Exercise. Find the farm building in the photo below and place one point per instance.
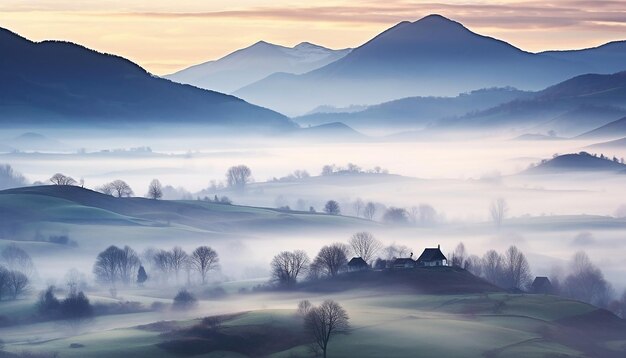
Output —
(432, 257)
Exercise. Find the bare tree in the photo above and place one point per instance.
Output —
(365, 245)
(492, 267)
(106, 269)
(326, 321)
(459, 255)
(369, 211)
(204, 259)
(155, 190)
(498, 210)
(238, 176)
(61, 179)
(9, 178)
(286, 266)
(516, 269)
(121, 188)
(394, 251)
(585, 282)
(332, 258)
(162, 262)
(115, 264)
(17, 283)
(16, 258)
(474, 265)
(358, 206)
(128, 262)
(178, 258)
(332, 208)
(106, 189)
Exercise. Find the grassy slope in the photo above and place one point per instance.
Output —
(55, 209)
(471, 325)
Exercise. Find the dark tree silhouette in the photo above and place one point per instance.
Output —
(121, 188)
(17, 283)
(48, 304)
(286, 266)
(184, 300)
(61, 179)
(516, 269)
(155, 190)
(326, 321)
(332, 208)
(204, 259)
(331, 259)
(76, 309)
(142, 276)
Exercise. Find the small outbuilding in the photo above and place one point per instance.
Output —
(541, 284)
(432, 257)
(357, 264)
(403, 263)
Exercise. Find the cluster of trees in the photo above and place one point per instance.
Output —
(176, 261)
(350, 168)
(123, 266)
(16, 272)
(509, 270)
(75, 307)
(323, 322)
(117, 188)
(288, 266)
(9, 178)
(583, 280)
(62, 179)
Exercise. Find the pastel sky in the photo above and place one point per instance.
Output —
(164, 35)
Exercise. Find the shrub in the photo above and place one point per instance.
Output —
(184, 300)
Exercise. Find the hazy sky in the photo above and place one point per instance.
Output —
(164, 35)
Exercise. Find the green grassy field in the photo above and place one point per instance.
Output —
(382, 325)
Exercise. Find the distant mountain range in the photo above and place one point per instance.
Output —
(570, 108)
(433, 56)
(580, 162)
(254, 63)
(53, 83)
(417, 112)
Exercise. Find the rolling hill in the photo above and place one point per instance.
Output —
(581, 162)
(570, 108)
(613, 129)
(254, 63)
(433, 56)
(76, 205)
(52, 83)
(417, 112)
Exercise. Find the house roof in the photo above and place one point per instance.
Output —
(357, 261)
(541, 281)
(431, 255)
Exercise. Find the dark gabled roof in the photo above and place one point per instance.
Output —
(403, 261)
(541, 281)
(431, 255)
(357, 261)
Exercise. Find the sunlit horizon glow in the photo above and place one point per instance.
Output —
(164, 37)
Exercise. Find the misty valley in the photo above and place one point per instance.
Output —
(431, 192)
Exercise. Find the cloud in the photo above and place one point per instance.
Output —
(537, 15)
